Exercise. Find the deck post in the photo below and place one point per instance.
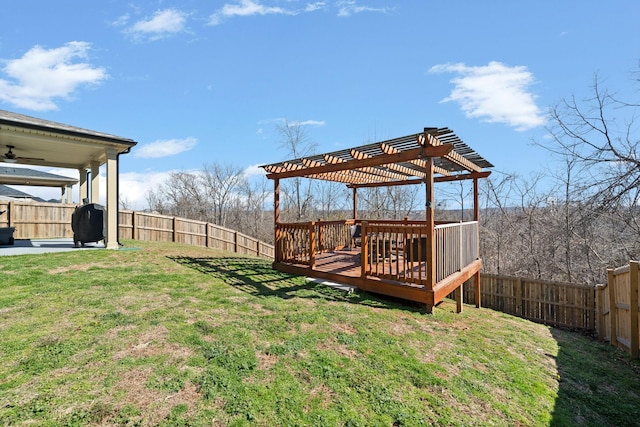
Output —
(459, 299)
(277, 256)
(476, 203)
(477, 289)
(476, 217)
(364, 250)
(355, 203)
(312, 244)
(430, 224)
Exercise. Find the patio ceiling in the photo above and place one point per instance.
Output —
(392, 162)
(45, 143)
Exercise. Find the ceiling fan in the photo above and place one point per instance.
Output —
(11, 157)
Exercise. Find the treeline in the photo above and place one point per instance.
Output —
(569, 224)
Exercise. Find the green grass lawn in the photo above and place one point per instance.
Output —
(177, 335)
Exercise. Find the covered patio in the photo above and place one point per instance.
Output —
(32, 141)
(421, 261)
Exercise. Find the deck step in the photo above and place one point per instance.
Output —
(341, 286)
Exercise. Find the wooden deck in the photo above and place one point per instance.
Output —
(344, 266)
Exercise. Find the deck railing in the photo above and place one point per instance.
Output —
(300, 242)
(332, 235)
(293, 243)
(457, 245)
(391, 249)
(397, 250)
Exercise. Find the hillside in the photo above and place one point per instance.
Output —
(165, 334)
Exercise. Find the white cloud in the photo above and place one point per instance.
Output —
(42, 76)
(495, 93)
(350, 7)
(247, 8)
(312, 7)
(165, 148)
(254, 170)
(163, 23)
(256, 7)
(134, 187)
(309, 123)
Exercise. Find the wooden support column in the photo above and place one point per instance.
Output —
(459, 299)
(476, 203)
(476, 217)
(431, 267)
(364, 251)
(355, 203)
(276, 220)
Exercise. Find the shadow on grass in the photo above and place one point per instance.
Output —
(256, 277)
(599, 385)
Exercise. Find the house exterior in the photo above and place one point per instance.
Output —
(33, 141)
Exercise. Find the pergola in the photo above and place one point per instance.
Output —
(421, 269)
(40, 142)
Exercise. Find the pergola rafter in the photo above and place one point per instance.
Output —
(398, 159)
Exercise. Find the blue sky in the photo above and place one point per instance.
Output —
(197, 82)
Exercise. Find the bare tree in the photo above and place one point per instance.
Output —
(298, 194)
(222, 185)
(181, 195)
(601, 134)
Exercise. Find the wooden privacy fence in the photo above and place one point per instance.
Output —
(37, 220)
(34, 220)
(618, 309)
(162, 228)
(552, 303)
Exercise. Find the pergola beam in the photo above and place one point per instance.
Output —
(459, 177)
(403, 156)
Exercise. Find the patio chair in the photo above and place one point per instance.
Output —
(356, 235)
(415, 249)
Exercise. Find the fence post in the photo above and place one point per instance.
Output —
(613, 310)
(600, 311)
(257, 247)
(633, 307)
(173, 226)
(10, 213)
(592, 303)
(134, 227)
(206, 235)
(519, 306)
(235, 242)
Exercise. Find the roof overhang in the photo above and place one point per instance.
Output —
(396, 161)
(46, 143)
(23, 176)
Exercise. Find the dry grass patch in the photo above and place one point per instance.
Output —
(154, 405)
(153, 342)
